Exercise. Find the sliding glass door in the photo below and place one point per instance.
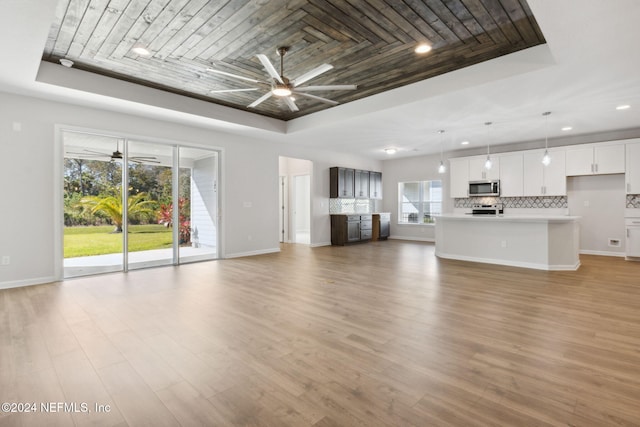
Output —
(93, 228)
(150, 194)
(161, 209)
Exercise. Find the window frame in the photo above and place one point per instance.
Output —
(425, 186)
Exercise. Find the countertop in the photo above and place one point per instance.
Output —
(510, 218)
(361, 213)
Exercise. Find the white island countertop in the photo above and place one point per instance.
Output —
(512, 217)
(544, 242)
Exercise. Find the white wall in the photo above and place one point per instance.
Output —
(249, 181)
(599, 201)
(423, 168)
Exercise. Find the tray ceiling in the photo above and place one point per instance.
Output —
(370, 43)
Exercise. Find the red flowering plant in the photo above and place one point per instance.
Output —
(165, 217)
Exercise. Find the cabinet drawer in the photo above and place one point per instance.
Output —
(366, 225)
(353, 218)
(365, 234)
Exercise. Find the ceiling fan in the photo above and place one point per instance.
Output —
(283, 87)
(116, 155)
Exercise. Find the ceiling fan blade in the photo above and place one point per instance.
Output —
(140, 161)
(260, 100)
(233, 90)
(327, 87)
(311, 74)
(317, 98)
(292, 105)
(235, 76)
(102, 153)
(269, 67)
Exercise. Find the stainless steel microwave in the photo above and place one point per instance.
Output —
(484, 188)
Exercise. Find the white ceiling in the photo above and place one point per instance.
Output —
(590, 65)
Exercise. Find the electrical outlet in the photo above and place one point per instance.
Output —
(615, 243)
(503, 244)
(6, 260)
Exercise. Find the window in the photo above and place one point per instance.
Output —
(419, 202)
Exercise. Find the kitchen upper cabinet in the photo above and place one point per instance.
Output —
(375, 185)
(361, 184)
(342, 183)
(632, 174)
(477, 171)
(596, 159)
(459, 177)
(511, 175)
(541, 180)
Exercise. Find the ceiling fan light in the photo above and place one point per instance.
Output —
(422, 48)
(390, 151)
(281, 90)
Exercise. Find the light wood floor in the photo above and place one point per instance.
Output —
(380, 334)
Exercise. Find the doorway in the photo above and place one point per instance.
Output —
(131, 204)
(295, 200)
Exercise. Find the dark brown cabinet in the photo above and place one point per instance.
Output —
(342, 183)
(375, 185)
(381, 226)
(354, 184)
(351, 229)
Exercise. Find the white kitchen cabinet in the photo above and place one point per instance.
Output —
(541, 180)
(511, 175)
(459, 177)
(477, 171)
(633, 237)
(595, 159)
(632, 174)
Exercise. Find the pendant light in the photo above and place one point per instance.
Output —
(488, 164)
(442, 168)
(546, 159)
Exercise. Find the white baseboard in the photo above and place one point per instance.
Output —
(414, 239)
(252, 253)
(556, 267)
(27, 282)
(601, 253)
(317, 245)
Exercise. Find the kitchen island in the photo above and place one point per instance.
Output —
(543, 242)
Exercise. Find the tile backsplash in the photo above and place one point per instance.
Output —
(340, 206)
(633, 201)
(542, 202)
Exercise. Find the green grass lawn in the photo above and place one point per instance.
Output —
(99, 240)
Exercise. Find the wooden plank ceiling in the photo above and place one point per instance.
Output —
(370, 43)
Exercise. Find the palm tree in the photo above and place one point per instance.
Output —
(111, 206)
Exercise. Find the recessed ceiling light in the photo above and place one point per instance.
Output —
(623, 107)
(66, 62)
(390, 150)
(566, 128)
(422, 48)
(464, 143)
(141, 50)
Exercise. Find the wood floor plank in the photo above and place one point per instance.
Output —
(378, 334)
